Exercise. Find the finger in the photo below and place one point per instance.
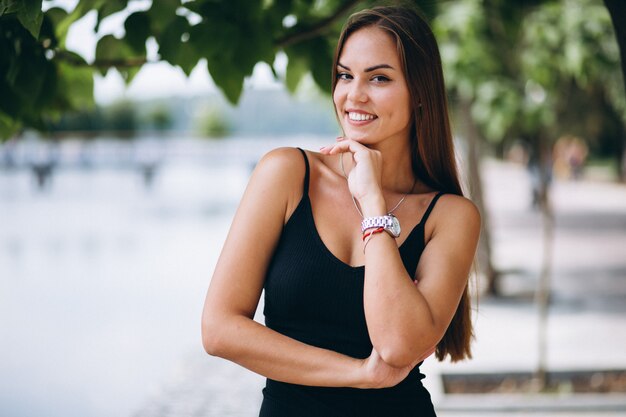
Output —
(347, 145)
(327, 149)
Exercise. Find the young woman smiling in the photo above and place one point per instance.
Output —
(363, 249)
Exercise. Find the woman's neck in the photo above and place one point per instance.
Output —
(397, 175)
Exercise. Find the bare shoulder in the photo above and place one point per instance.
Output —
(281, 171)
(455, 212)
(283, 159)
(281, 167)
(457, 205)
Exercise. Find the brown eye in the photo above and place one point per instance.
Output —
(380, 79)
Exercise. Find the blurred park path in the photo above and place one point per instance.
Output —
(586, 327)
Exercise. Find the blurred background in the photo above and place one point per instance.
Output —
(129, 129)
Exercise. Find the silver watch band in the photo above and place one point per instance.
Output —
(389, 222)
(385, 222)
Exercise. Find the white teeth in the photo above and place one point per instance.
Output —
(360, 116)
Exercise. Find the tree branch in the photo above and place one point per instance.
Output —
(317, 29)
(287, 40)
(617, 11)
(76, 61)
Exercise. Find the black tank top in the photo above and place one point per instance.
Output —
(314, 297)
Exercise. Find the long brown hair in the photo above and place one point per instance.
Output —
(432, 149)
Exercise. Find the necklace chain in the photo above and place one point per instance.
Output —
(356, 205)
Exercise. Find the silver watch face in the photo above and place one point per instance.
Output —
(395, 226)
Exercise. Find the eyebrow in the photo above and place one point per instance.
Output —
(368, 69)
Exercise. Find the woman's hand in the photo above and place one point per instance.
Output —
(365, 178)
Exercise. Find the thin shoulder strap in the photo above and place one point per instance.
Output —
(431, 206)
(306, 173)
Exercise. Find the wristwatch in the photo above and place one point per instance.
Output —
(389, 222)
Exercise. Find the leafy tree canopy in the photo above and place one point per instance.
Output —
(516, 63)
(495, 52)
(40, 78)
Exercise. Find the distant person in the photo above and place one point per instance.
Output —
(570, 154)
(43, 162)
(577, 157)
(353, 303)
(540, 172)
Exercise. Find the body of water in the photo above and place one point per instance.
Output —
(102, 278)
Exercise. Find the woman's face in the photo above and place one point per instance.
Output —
(371, 97)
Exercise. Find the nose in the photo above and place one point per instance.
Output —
(357, 92)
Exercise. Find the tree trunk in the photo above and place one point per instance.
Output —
(473, 139)
(543, 293)
(617, 10)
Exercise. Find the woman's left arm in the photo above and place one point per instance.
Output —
(405, 320)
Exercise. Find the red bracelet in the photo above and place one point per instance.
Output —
(372, 231)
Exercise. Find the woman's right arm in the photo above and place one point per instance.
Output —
(228, 328)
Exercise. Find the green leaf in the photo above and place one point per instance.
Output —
(175, 46)
(254, 44)
(8, 126)
(228, 79)
(47, 35)
(171, 38)
(162, 13)
(9, 6)
(279, 8)
(31, 16)
(107, 48)
(187, 58)
(128, 74)
(137, 27)
(81, 9)
(321, 63)
(56, 15)
(113, 51)
(13, 69)
(108, 8)
(296, 68)
(76, 84)
(48, 91)
(216, 39)
(10, 103)
(31, 72)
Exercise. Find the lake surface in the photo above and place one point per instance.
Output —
(102, 278)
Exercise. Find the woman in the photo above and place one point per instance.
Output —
(352, 304)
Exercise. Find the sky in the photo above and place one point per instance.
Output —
(157, 79)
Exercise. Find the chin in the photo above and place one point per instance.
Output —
(360, 137)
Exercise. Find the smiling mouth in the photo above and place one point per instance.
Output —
(360, 117)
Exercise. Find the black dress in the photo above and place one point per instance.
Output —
(313, 297)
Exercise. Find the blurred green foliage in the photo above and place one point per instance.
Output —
(210, 122)
(120, 118)
(519, 65)
(33, 84)
(40, 78)
(160, 118)
(533, 70)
